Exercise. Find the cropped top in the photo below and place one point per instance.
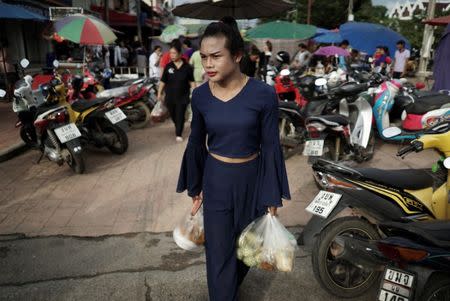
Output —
(242, 126)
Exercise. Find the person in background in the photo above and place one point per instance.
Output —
(141, 59)
(400, 60)
(379, 60)
(249, 62)
(302, 58)
(119, 60)
(264, 59)
(187, 49)
(153, 62)
(176, 81)
(355, 57)
(196, 63)
(342, 61)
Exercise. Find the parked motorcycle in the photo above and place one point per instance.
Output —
(347, 133)
(355, 200)
(48, 128)
(99, 122)
(419, 111)
(414, 258)
(136, 100)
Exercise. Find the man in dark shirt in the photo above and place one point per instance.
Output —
(249, 62)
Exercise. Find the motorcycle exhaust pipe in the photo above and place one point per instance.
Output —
(360, 252)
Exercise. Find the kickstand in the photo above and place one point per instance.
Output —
(40, 158)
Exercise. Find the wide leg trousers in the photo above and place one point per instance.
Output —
(229, 207)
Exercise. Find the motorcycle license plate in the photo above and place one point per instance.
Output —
(397, 285)
(115, 115)
(313, 148)
(324, 203)
(67, 132)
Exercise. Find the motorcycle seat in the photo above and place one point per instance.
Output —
(425, 104)
(413, 179)
(402, 101)
(82, 105)
(288, 105)
(349, 89)
(330, 120)
(434, 231)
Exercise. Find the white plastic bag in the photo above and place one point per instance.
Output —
(159, 112)
(189, 234)
(267, 244)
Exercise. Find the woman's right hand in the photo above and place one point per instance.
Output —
(197, 203)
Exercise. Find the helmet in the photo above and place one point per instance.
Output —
(307, 85)
(283, 57)
(77, 82)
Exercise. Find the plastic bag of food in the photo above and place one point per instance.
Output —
(159, 112)
(189, 234)
(267, 244)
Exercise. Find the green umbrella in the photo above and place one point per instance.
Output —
(282, 30)
(172, 32)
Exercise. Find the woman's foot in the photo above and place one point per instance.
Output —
(179, 139)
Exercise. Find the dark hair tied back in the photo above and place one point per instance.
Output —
(176, 44)
(226, 27)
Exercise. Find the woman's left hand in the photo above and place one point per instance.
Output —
(273, 210)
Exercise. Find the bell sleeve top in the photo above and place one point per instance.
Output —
(242, 126)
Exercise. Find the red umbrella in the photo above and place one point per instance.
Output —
(441, 21)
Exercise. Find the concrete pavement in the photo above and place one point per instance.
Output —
(134, 192)
(102, 235)
(140, 266)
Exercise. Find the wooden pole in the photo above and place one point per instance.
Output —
(310, 3)
(138, 18)
(106, 11)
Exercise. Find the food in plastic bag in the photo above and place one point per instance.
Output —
(189, 234)
(159, 112)
(267, 244)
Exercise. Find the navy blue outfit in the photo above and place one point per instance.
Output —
(234, 194)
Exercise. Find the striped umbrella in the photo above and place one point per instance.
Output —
(84, 30)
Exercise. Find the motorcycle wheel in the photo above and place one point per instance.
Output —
(288, 144)
(437, 289)
(365, 154)
(26, 137)
(144, 115)
(76, 162)
(120, 145)
(339, 277)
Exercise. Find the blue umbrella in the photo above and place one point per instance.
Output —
(330, 37)
(8, 11)
(367, 36)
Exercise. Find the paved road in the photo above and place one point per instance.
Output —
(141, 266)
(133, 192)
(103, 235)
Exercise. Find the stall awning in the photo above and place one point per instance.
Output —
(441, 21)
(16, 12)
(123, 19)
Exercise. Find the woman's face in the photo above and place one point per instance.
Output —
(217, 60)
(174, 55)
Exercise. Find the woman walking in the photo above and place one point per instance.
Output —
(242, 173)
(176, 81)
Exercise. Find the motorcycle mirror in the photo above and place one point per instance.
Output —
(285, 72)
(2, 93)
(447, 163)
(56, 63)
(24, 63)
(391, 132)
(320, 82)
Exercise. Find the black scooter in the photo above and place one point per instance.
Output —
(414, 258)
